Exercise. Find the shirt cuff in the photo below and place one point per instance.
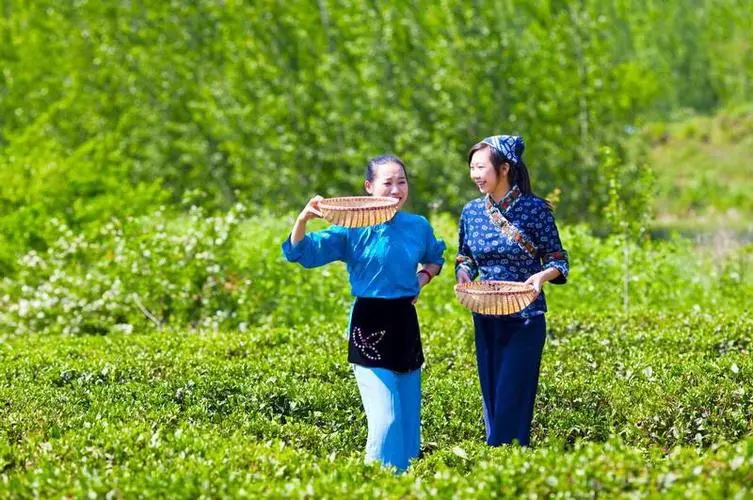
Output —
(293, 253)
(557, 260)
(466, 264)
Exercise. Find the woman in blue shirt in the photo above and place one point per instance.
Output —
(384, 343)
(508, 234)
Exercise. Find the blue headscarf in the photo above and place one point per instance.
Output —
(509, 146)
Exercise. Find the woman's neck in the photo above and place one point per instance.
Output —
(503, 187)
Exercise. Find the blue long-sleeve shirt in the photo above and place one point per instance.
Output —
(382, 260)
(528, 242)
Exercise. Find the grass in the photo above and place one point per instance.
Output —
(704, 167)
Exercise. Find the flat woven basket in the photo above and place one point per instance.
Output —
(496, 298)
(358, 211)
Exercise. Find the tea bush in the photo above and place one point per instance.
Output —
(215, 368)
(641, 405)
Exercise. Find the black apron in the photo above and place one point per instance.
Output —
(384, 333)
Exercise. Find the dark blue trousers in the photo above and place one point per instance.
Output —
(508, 352)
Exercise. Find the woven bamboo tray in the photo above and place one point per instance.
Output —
(497, 298)
(358, 211)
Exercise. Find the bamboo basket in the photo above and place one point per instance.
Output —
(358, 211)
(497, 298)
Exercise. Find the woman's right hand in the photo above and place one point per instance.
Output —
(311, 210)
(463, 277)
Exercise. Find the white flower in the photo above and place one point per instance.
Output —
(23, 308)
(123, 327)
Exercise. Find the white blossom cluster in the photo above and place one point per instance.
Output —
(147, 271)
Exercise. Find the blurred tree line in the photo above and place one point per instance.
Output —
(118, 107)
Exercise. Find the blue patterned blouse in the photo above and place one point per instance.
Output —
(382, 260)
(510, 241)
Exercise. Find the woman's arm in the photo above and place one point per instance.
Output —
(537, 280)
(432, 259)
(432, 269)
(554, 261)
(310, 211)
(318, 248)
(466, 268)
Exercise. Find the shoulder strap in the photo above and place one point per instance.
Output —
(508, 228)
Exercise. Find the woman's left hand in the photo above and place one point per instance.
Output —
(536, 281)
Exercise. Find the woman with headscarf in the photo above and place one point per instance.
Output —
(508, 234)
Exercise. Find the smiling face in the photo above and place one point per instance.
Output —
(485, 176)
(389, 180)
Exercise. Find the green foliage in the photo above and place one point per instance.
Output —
(216, 368)
(133, 272)
(169, 269)
(644, 405)
(154, 342)
(118, 105)
(703, 171)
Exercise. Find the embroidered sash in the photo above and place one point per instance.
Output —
(508, 228)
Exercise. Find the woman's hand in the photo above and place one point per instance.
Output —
(462, 276)
(537, 280)
(311, 210)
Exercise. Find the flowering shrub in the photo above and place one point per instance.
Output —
(137, 272)
(226, 271)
